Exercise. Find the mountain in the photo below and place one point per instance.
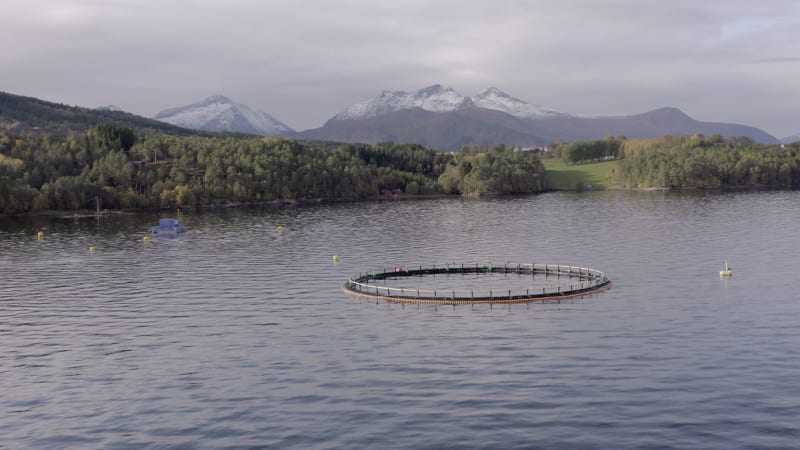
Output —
(653, 123)
(442, 99)
(439, 117)
(220, 114)
(791, 139)
(445, 131)
(498, 100)
(28, 114)
(436, 98)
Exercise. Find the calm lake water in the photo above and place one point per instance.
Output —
(238, 336)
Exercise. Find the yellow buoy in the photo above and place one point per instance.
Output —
(280, 228)
(147, 238)
(727, 271)
(40, 235)
(92, 248)
(335, 258)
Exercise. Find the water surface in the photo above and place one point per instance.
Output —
(238, 336)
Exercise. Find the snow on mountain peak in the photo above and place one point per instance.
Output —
(439, 98)
(435, 98)
(494, 98)
(219, 113)
(492, 91)
(434, 89)
(217, 98)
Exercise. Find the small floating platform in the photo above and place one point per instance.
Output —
(727, 271)
(168, 227)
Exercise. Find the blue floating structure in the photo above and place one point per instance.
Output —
(168, 227)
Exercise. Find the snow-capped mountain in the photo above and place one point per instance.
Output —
(498, 100)
(436, 98)
(219, 113)
(451, 130)
(440, 99)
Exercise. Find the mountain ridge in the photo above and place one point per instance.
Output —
(441, 99)
(434, 98)
(30, 114)
(493, 117)
(452, 129)
(218, 113)
(460, 123)
(656, 122)
(494, 98)
(791, 139)
(444, 131)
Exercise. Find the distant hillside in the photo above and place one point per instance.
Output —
(453, 129)
(19, 113)
(439, 117)
(658, 122)
(791, 139)
(444, 131)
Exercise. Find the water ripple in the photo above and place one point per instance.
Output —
(237, 335)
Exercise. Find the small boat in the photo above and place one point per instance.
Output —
(168, 227)
(727, 271)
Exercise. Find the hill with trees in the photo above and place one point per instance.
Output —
(20, 114)
(476, 170)
(705, 162)
(126, 169)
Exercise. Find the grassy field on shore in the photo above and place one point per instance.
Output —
(577, 176)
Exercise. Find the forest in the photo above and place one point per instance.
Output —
(126, 170)
(40, 116)
(476, 170)
(705, 162)
(591, 151)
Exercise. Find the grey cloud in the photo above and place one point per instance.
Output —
(305, 60)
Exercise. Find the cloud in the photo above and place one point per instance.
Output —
(305, 60)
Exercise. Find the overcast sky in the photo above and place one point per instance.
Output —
(305, 60)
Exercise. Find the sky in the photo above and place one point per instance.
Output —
(303, 61)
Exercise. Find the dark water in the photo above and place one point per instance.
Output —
(238, 336)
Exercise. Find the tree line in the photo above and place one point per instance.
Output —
(127, 170)
(700, 162)
(46, 117)
(477, 170)
(590, 151)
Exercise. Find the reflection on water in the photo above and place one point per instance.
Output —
(238, 335)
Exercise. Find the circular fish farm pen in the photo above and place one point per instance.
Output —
(457, 284)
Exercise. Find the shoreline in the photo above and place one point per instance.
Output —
(87, 213)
